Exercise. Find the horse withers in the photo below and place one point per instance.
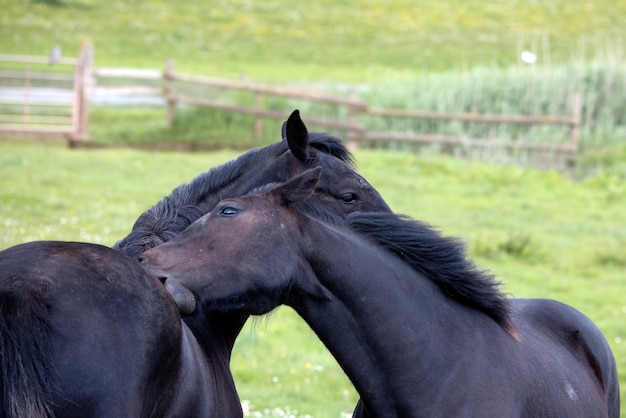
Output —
(418, 329)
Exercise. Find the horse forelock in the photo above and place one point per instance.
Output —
(440, 258)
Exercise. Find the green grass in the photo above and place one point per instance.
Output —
(543, 234)
(326, 40)
(198, 128)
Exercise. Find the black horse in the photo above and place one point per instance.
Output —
(416, 326)
(85, 332)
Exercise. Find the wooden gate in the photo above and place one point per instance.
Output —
(46, 97)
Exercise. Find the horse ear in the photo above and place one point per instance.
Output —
(297, 136)
(300, 188)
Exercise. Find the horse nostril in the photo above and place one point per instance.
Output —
(162, 279)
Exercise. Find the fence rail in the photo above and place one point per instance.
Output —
(169, 85)
(173, 97)
(572, 122)
(357, 110)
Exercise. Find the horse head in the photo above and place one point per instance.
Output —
(197, 262)
(341, 188)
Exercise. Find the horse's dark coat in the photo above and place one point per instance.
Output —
(415, 339)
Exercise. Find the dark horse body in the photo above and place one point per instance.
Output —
(417, 328)
(96, 318)
(85, 332)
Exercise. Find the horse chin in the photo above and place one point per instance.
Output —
(185, 300)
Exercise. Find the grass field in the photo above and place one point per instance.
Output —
(543, 234)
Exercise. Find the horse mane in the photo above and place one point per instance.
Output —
(331, 145)
(175, 212)
(440, 258)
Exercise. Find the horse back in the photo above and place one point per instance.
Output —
(85, 332)
(569, 334)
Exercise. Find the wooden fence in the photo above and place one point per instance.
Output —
(46, 97)
(358, 110)
(168, 85)
(174, 97)
(570, 146)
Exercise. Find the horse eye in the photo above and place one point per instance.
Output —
(348, 198)
(228, 211)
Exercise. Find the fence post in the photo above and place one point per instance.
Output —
(82, 85)
(169, 91)
(574, 130)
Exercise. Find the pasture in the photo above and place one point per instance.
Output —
(543, 234)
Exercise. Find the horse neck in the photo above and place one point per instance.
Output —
(205, 377)
(216, 332)
(365, 322)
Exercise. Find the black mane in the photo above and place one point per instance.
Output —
(442, 259)
(331, 145)
(175, 212)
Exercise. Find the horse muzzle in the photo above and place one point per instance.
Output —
(185, 300)
(183, 297)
